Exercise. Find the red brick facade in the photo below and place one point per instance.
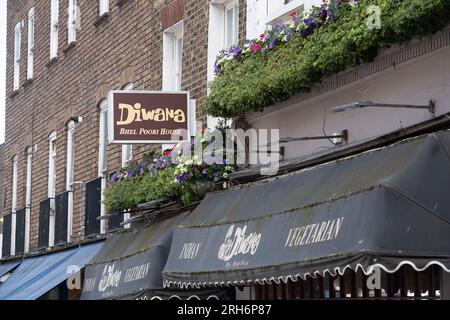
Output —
(124, 47)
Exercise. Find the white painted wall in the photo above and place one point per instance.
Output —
(414, 82)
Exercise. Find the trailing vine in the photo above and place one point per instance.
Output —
(292, 58)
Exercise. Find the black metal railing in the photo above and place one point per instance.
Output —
(6, 245)
(93, 207)
(44, 223)
(20, 231)
(61, 217)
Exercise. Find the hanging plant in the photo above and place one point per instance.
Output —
(292, 58)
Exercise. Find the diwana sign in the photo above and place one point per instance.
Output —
(148, 117)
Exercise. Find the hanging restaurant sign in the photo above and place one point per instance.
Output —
(148, 117)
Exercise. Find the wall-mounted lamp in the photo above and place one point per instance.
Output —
(431, 107)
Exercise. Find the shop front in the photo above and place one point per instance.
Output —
(374, 225)
(129, 265)
(45, 276)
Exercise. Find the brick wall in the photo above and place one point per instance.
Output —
(125, 47)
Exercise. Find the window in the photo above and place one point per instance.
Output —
(52, 186)
(173, 57)
(103, 139)
(223, 34)
(231, 24)
(28, 198)
(281, 12)
(103, 7)
(31, 24)
(127, 149)
(178, 60)
(73, 22)
(103, 158)
(172, 60)
(17, 53)
(70, 177)
(261, 13)
(54, 28)
(15, 163)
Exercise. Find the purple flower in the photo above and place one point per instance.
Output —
(273, 42)
(217, 69)
(324, 14)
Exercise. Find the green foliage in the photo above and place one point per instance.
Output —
(129, 193)
(266, 78)
(159, 177)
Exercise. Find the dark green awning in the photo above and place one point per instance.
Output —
(387, 207)
(130, 262)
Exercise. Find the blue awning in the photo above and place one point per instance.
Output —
(36, 276)
(8, 266)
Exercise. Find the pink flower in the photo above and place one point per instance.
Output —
(255, 48)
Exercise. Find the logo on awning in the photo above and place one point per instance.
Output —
(237, 242)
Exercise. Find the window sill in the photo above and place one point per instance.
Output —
(121, 2)
(14, 93)
(27, 83)
(51, 62)
(69, 47)
(102, 19)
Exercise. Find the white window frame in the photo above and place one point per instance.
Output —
(282, 12)
(31, 43)
(103, 7)
(103, 139)
(73, 21)
(127, 149)
(15, 174)
(127, 155)
(173, 67)
(17, 54)
(28, 198)
(54, 29)
(263, 13)
(234, 6)
(52, 156)
(217, 39)
(103, 158)
(70, 175)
